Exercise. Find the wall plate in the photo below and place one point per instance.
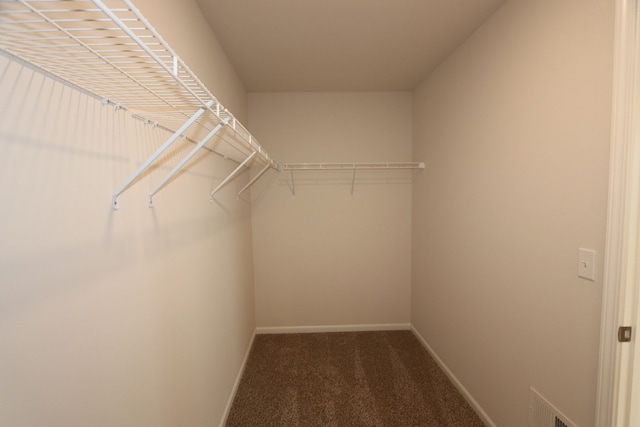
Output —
(586, 264)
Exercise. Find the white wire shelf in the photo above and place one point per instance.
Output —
(354, 167)
(351, 166)
(107, 48)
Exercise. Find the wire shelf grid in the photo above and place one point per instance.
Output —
(108, 49)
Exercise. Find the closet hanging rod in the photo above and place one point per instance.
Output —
(191, 140)
(253, 180)
(232, 174)
(351, 166)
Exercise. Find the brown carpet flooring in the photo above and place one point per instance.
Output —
(346, 379)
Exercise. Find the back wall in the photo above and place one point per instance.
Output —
(326, 256)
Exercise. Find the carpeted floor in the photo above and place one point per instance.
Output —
(346, 379)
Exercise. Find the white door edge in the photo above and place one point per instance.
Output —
(619, 285)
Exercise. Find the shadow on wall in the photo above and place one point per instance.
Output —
(62, 154)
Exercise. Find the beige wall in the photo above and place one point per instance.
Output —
(142, 316)
(139, 317)
(327, 257)
(514, 127)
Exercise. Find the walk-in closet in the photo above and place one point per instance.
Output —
(355, 212)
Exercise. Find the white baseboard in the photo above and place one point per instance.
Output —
(333, 328)
(465, 393)
(227, 409)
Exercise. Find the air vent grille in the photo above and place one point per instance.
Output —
(544, 414)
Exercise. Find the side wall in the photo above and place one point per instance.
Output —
(514, 127)
(138, 317)
(327, 257)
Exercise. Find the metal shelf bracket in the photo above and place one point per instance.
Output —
(185, 160)
(232, 174)
(254, 179)
(157, 154)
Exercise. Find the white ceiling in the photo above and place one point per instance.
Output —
(340, 45)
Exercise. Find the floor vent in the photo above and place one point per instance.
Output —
(544, 414)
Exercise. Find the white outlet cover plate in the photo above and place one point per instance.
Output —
(586, 264)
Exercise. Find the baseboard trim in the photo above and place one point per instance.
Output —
(227, 409)
(333, 328)
(465, 393)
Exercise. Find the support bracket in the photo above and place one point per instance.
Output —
(254, 179)
(293, 184)
(158, 152)
(185, 160)
(232, 174)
